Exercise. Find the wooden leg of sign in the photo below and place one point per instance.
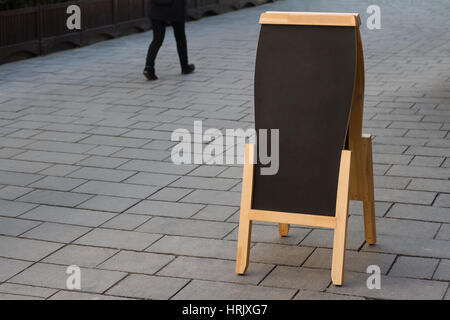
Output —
(245, 224)
(340, 230)
(368, 194)
(283, 228)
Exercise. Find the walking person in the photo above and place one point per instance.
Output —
(163, 12)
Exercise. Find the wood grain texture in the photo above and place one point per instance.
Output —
(283, 229)
(245, 224)
(311, 18)
(340, 231)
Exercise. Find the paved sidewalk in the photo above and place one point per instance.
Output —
(86, 177)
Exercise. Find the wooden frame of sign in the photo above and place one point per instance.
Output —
(355, 175)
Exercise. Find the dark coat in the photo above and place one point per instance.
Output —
(176, 11)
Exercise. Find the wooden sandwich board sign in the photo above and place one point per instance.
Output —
(309, 84)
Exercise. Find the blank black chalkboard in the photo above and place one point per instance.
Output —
(304, 80)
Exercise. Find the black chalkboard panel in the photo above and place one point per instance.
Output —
(304, 81)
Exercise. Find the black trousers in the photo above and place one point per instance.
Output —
(159, 31)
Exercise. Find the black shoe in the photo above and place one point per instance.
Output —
(149, 73)
(188, 69)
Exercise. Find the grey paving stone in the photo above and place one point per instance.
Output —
(60, 147)
(118, 239)
(207, 171)
(101, 174)
(215, 270)
(108, 203)
(197, 247)
(164, 208)
(354, 261)
(74, 295)
(114, 141)
(15, 227)
(79, 217)
(428, 248)
(233, 172)
(137, 262)
(18, 289)
(207, 290)
(356, 208)
(423, 213)
(279, 254)
(298, 278)
(446, 164)
(57, 183)
(9, 152)
(12, 193)
(143, 154)
(102, 152)
(6, 296)
(152, 179)
(9, 268)
(391, 158)
(391, 288)
(60, 136)
(394, 149)
(54, 276)
(125, 221)
(14, 208)
(56, 232)
(430, 185)
(82, 256)
(324, 238)
(116, 189)
(102, 162)
(404, 196)
(414, 267)
(57, 198)
(314, 295)
(59, 170)
(170, 194)
(428, 151)
(444, 232)
(427, 161)
(214, 197)
(391, 182)
(209, 183)
(148, 287)
(25, 249)
(442, 200)
(51, 157)
(397, 227)
(18, 179)
(270, 234)
(214, 212)
(443, 271)
(13, 142)
(419, 172)
(22, 166)
(159, 145)
(157, 167)
(186, 227)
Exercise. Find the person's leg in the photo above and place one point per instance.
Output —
(159, 31)
(180, 36)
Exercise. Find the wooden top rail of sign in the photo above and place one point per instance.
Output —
(311, 18)
(309, 84)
